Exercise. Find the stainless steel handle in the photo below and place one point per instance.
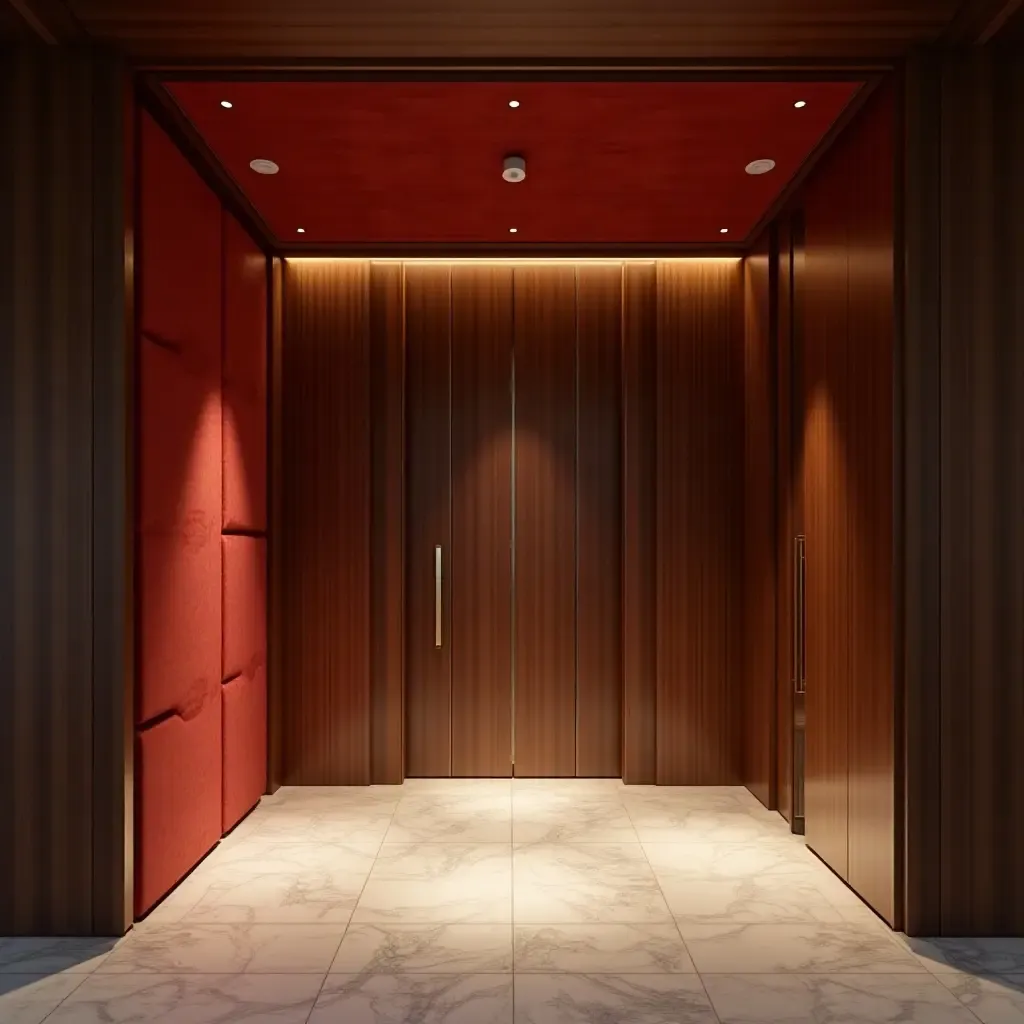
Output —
(437, 596)
(800, 614)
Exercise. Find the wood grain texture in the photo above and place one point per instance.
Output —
(481, 496)
(759, 528)
(848, 500)
(639, 309)
(446, 29)
(545, 521)
(65, 511)
(325, 533)
(428, 517)
(699, 520)
(387, 386)
(788, 521)
(275, 549)
(599, 521)
(964, 487)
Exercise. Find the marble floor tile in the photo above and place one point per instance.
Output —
(481, 900)
(557, 819)
(54, 955)
(993, 999)
(414, 999)
(601, 949)
(611, 998)
(763, 900)
(795, 949)
(326, 822)
(279, 882)
(975, 956)
(444, 818)
(227, 949)
(833, 999)
(190, 999)
(667, 823)
(594, 882)
(441, 862)
(699, 861)
(29, 998)
(425, 949)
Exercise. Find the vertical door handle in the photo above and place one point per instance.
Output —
(437, 596)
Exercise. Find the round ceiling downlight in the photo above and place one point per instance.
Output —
(513, 231)
(760, 166)
(226, 104)
(264, 166)
(723, 231)
(800, 104)
(301, 231)
(513, 103)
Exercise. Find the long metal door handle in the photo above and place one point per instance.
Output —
(438, 638)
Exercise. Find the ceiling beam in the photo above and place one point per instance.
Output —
(49, 20)
(980, 21)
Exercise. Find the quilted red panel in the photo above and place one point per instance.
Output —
(245, 381)
(178, 798)
(245, 745)
(245, 605)
(179, 449)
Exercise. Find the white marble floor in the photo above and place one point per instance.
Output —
(496, 902)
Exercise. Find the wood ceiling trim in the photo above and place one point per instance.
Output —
(49, 20)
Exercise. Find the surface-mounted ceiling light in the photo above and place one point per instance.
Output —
(264, 166)
(800, 104)
(760, 166)
(513, 103)
(226, 104)
(301, 231)
(723, 231)
(513, 231)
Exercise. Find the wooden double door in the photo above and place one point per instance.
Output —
(513, 520)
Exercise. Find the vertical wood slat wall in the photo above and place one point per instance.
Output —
(65, 431)
(671, 335)
(963, 561)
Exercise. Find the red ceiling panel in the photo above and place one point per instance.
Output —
(612, 162)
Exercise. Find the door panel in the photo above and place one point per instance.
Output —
(545, 521)
(481, 562)
(428, 444)
(599, 526)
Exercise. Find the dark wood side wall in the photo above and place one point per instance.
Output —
(65, 562)
(963, 492)
(658, 685)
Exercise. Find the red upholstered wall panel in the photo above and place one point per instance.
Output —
(178, 798)
(179, 453)
(245, 380)
(245, 605)
(245, 745)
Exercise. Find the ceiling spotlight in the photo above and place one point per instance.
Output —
(514, 168)
(513, 103)
(264, 166)
(723, 231)
(800, 104)
(513, 231)
(226, 104)
(760, 166)
(301, 231)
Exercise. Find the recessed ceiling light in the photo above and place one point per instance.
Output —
(800, 104)
(264, 166)
(301, 231)
(513, 103)
(760, 166)
(226, 104)
(723, 231)
(513, 231)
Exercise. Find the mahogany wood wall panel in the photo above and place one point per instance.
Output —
(387, 353)
(65, 494)
(599, 521)
(639, 309)
(428, 691)
(275, 501)
(324, 533)
(759, 531)
(481, 553)
(963, 373)
(846, 486)
(788, 522)
(545, 520)
(699, 479)
(503, 29)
